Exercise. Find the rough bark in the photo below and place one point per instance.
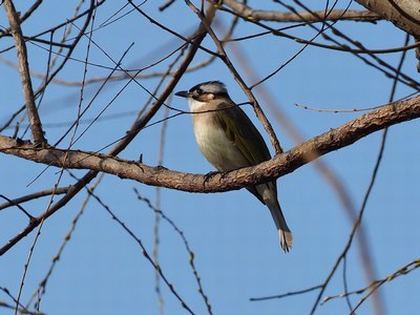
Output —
(405, 14)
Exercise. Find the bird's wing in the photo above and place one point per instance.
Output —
(244, 135)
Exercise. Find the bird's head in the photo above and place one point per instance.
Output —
(205, 92)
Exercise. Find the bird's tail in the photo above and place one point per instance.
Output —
(285, 235)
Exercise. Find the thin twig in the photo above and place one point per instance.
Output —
(374, 285)
(11, 203)
(284, 295)
(15, 301)
(156, 225)
(144, 251)
(21, 310)
(36, 195)
(166, 5)
(42, 286)
(395, 74)
(345, 283)
(187, 246)
(26, 267)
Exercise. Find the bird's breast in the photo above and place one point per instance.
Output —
(215, 145)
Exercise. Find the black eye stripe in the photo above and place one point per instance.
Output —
(197, 91)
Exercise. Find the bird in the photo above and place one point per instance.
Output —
(229, 140)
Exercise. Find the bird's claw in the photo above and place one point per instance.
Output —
(209, 175)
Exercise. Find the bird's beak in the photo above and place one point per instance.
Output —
(182, 94)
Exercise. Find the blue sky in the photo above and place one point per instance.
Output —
(102, 270)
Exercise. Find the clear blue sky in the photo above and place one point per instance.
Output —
(102, 270)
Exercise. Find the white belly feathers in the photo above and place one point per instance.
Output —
(215, 146)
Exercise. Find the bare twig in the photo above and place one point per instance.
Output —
(375, 285)
(343, 48)
(7, 292)
(319, 32)
(23, 17)
(31, 10)
(40, 291)
(389, 71)
(402, 271)
(284, 295)
(20, 309)
(36, 195)
(23, 210)
(169, 30)
(345, 283)
(335, 110)
(145, 253)
(395, 74)
(166, 5)
(156, 225)
(191, 253)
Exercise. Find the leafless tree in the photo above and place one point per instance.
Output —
(71, 54)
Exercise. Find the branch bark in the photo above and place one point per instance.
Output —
(405, 14)
(280, 165)
(36, 195)
(277, 16)
(22, 57)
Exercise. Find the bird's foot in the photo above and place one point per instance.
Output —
(209, 175)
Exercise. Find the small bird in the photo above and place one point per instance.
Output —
(229, 140)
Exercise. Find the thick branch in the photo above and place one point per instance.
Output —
(280, 165)
(277, 16)
(405, 14)
(22, 57)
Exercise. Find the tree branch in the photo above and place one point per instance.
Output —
(375, 285)
(405, 14)
(22, 56)
(266, 15)
(280, 165)
(36, 195)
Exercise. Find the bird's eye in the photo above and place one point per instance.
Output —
(196, 93)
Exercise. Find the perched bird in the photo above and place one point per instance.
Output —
(229, 140)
